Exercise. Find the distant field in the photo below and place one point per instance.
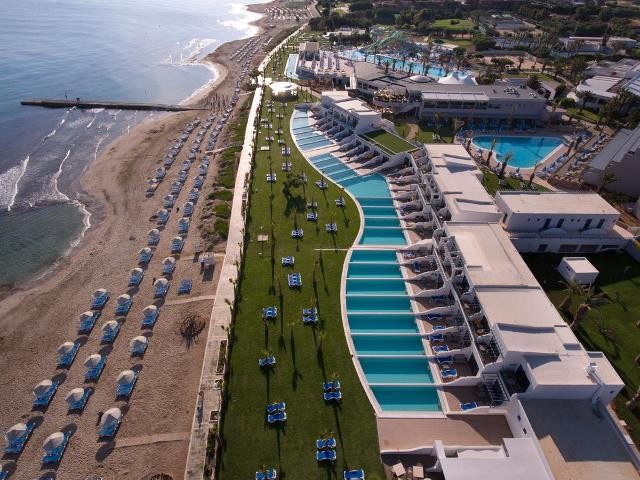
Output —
(445, 24)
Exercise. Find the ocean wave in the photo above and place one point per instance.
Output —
(194, 49)
(243, 23)
(9, 181)
(56, 175)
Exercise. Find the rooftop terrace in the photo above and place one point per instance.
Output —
(389, 142)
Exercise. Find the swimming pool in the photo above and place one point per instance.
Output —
(407, 398)
(387, 256)
(527, 151)
(388, 345)
(361, 322)
(414, 67)
(290, 68)
(388, 286)
(396, 370)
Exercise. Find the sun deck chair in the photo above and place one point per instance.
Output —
(109, 429)
(268, 474)
(323, 443)
(66, 359)
(109, 335)
(333, 395)
(269, 312)
(416, 267)
(185, 286)
(439, 327)
(449, 373)
(99, 301)
(309, 315)
(353, 474)
(87, 322)
(267, 361)
(331, 227)
(340, 202)
(297, 233)
(326, 455)
(321, 184)
(55, 455)
(17, 445)
(276, 407)
(468, 406)
(288, 261)
(187, 210)
(123, 308)
(161, 289)
(45, 398)
(193, 195)
(183, 225)
(312, 216)
(125, 389)
(441, 348)
(436, 337)
(149, 319)
(331, 386)
(94, 373)
(135, 277)
(176, 245)
(294, 280)
(445, 360)
(277, 417)
(168, 268)
(81, 403)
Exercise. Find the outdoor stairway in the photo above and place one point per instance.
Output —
(495, 389)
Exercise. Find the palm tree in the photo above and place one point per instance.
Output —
(633, 401)
(505, 161)
(386, 66)
(490, 154)
(571, 289)
(425, 60)
(533, 174)
(607, 178)
(322, 335)
(590, 301)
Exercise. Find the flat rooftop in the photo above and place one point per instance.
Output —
(580, 265)
(489, 256)
(578, 445)
(556, 203)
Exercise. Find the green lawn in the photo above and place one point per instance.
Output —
(305, 356)
(615, 333)
(461, 42)
(490, 182)
(584, 115)
(445, 24)
(425, 133)
(390, 142)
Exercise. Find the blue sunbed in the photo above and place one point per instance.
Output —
(123, 308)
(150, 320)
(297, 233)
(445, 360)
(294, 280)
(436, 337)
(270, 312)
(326, 455)
(468, 406)
(100, 301)
(88, 323)
(340, 202)
(95, 372)
(276, 407)
(323, 443)
(168, 268)
(185, 286)
(277, 417)
(269, 474)
(65, 360)
(145, 257)
(18, 444)
(449, 373)
(288, 261)
(80, 404)
(125, 389)
(332, 395)
(109, 429)
(353, 474)
(331, 227)
(135, 279)
(109, 336)
(54, 456)
(441, 348)
(312, 216)
(44, 399)
(267, 361)
(161, 290)
(183, 227)
(329, 386)
(176, 247)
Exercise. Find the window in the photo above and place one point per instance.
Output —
(560, 222)
(600, 223)
(546, 223)
(588, 248)
(542, 247)
(567, 247)
(587, 224)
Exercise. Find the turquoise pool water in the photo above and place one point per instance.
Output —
(407, 399)
(415, 67)
(373, 270)
(388, 344)
(290, 68)
(391, 286)
(382, 323)
(378, 304)
(527, 151)
(373, 256)
(382, 236)
(396, 370)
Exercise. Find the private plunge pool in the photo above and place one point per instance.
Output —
(527, 151)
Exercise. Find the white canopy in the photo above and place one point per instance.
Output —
(457, 78)
(124, 298)
(15, 432)
(85, 316)
(139, 341)
(92, 360)
(125, 377)
(136, 271)
(110, 325)
(149, 310)
(99, 293)
(154, 232)
(74, 395)
(42, 387)
(168, 260)
(163, 212)
(66, 347)
(53, 441)
(161, 282)
(111, 416)
(176, 240)
(144, 250)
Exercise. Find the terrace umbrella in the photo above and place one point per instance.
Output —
(99, 292)
(66, 347)
(125, 377)
(15, 432)
(123, 299)
(168, 260)
(74, 395)
(111, 416)
(161, 282)
(137, 342)
(110, 326)
(42, 387)
(92, 360)
(149, 310)
(53, 441)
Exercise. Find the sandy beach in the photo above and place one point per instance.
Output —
(154, 434)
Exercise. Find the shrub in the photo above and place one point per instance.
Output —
(222, 210)
(222, 227)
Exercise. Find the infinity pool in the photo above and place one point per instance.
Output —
(407, 398)
(527, 151)
(396, 370)
(361, 322)
(388, 345)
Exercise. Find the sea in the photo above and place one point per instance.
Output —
(128, 50)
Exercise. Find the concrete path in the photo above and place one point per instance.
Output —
(156, 438)
(182, 301)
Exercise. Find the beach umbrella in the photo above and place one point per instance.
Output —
(177, 239)
(154, 232)
(15, 432)
(149, 310)
(136, 271)
(92, 360)
(110, 325)
(124, 298)
(111, 416)
(53, 441)
(74, 395)
(161, 282)
(139, 341)
(144, 250)
(99, 292)
(66, 347)
(42, 387)
(125, 377)
(85, 316)
(168, 260)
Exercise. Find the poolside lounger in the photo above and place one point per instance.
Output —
(334, 395)
(88, 320)
(183, 225)
(99, 298)
(153, 237)
(67, 354)
(340, 202)
(269, 474)
(321, 184)
(294, 280)
(94, 370)
(277, 417)
(270, 312)
(271, 177)
(288, 261)
(312, 216)
(44, 392)
(267, 361)
(312, 204)
(439, 327)
(331, 227)
(323, 443)
(110, 331)
(185, 286)
(468, 406)
(446, 360)
(125, 382)
(168, 265)
(441, 348)
(353, 474)
(176, 245)
(436, 337)
(326, 455)
(310, 315)
(449, 373)
(276, 407)
(55, 446)
(330, 386)
(16, 440)
(193, 195)
(138, 345)
(297, 233)
(416, 267)
(187, 209)
(286, 166)
(144, 255)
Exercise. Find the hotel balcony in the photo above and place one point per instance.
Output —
(488, 349)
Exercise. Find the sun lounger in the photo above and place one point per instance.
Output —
(138, 345)
(331, 227)
(321, 184)
(276, 407)
(270, 312)
(297, 233)
(183, 225)
(88, 320)
(312, 216)
(168, 266)
(160, 289)
(123, 306)
(109, 335)
(93, 373)
(340, 202)
(330, 386)
(55, 455)
(323, 443)
(66, 359)
(468, 406)
(333, 395)
(309, 315)
(135, 277)
(268, 474)
(445, 361)
(449, 373)
(288, 261)
(149, 318)
(267, 361)
(326, 455)
(295, 280)
(44, 398)
(176, 245)
(277, 417)
(99, 299)
(81, 403)
(185, 286)
(353, 474)
(193, 195)
(109, 429)
(436, 337)
(441, 348)
(17, 444)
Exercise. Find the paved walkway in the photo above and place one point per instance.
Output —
(209, 399)
(156, 438)
(182, 301)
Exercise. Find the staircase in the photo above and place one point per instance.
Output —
(495, 388)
